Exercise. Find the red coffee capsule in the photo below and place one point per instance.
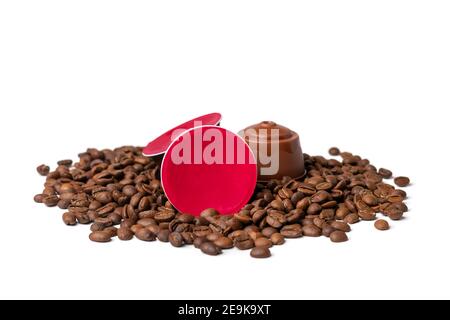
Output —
(160, 145)
(208, 167)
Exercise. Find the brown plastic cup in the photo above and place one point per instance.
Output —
(277, 150)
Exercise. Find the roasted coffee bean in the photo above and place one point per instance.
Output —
(243, 218)
(351, 218)
(382, 225)
(198, 241)
(277, 205)
(115, 218)
(259, 215)
(163, 235)
(127, 223)
(263, 242)
(327, 230)
(65, 162)
(327, 214)
(320, 196)
(186, 218)
(188, 237)
(368, 215)
(385, 173)
(338, 236)
(311, 231)
(164, 216)
(370, 199)
(210, 212)
(329, 204)
(224, 243)
(97, 227)
(243, 242)
(394, 213)
(43, 169)
(268, 231)
(314, 208)
(277, 239)
(324, 186)
(125, 234)
(63, 204)
(213, 236)
(39, 198)
(146, 222)
(260, 252)
(112, 231)
(106, 222)
(210, 248)
(100, 236)
(145, 235)
(69, 219)
(153, 228)
(291, 231)
(402, 181)
(350, 206)
(303, 204)
(136, 227)
(176, 239)
(296, 197)
(201, 231)
(339, 225)
(285, 193)
(51, 201)
(318, 222)
(254, 235)
(276, 219)
(334, 151)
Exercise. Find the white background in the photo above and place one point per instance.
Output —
(371, 77)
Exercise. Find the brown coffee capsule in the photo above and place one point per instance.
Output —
(266, 138)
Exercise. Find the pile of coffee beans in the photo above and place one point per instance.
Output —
(119, 193)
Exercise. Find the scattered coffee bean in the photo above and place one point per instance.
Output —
(385, 173)
(402, 181)
(338, 236)
(176, 239)
(145, 235)
(339, 225)
(69, 219)
(243, 242)
(311, 231)
(39, 198)
(43, 169)
(100, 236)
(51, 201)
(263, 242)
(224, 243)
(125, 234)
(327, 230)
(291, 231)
(334, 151)
(277, 239)
(112, 231)
(260, 252)
(65, 162)
(381, 225)
(268, 232)
(352, 218)
(210, 248)
(163, 235)
(198, 241)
